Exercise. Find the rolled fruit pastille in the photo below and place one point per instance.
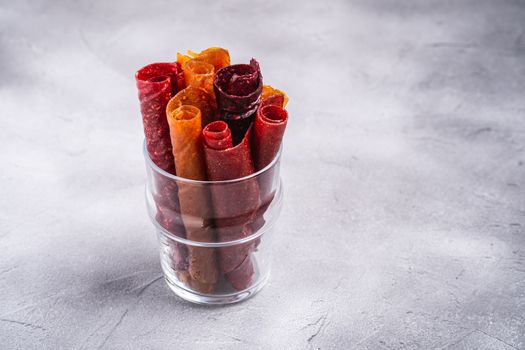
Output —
(199, 74)
(273, 96)
(216, 56)
(156, 83)
(236, 203)
(238, 91)
(270, 124)
(195, 204)
(198, 97)
(268, 130)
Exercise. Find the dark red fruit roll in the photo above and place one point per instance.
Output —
(156, 84)
(234, 204)
(238, 90)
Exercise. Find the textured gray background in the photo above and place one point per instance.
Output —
(404, 168)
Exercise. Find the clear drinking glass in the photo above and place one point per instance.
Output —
(215, 236)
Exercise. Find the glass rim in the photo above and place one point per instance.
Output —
(164, 173)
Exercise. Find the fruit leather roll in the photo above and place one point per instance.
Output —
(273, 96)
(235, 203)
(270, 124)
(269, 127)
(238, 91)
(216, 56)
(198, 97)
(156, 83)
(196, 211)
(199, 74)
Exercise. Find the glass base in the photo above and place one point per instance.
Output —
(215, 299)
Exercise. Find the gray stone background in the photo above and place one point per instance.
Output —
(404, 168)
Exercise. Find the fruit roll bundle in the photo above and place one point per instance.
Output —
(238, 91)
(235, 203)
(156, 83)
(195, 204)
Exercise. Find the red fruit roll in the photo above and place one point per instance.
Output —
(238, 89)
(156, 83)
(235, 203)
(269, 127)
(270, 124)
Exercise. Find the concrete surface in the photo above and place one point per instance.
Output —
(404, 169)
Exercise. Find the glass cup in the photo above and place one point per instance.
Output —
(215, 236)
